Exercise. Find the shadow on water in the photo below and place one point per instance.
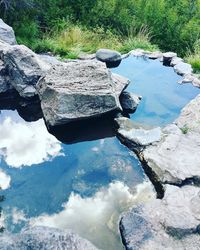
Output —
(28, 109)
(86, 130)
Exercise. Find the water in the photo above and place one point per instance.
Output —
(163, 97)
(84, 186)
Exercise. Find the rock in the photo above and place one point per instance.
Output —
(6, 33)
(52, 60)
(137, 52)
(168, 57)
(196, 82)
(5, 85)
(129, 101)
(183, 68)
(44, 238)
(154, 55)
(84, 56)
(124, 56)
(24, 68)
(120, 83)
(170, 223)
(176, 157)
(190, 116)
(79, 90)
(190, 78)
(175, 60)
(112, 58)
(136, 134)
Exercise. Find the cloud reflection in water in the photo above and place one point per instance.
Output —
(25, 144)
(96, 218)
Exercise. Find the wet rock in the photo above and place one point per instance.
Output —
(6, 33)
(176, 157)
(137, 134)
(44, 238)
(79, 90)
(112, 58)
(167, 58)
(183, 68)
(129, 101)
(24, 68)
(170, 223)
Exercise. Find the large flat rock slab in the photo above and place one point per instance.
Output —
(79, 90)
(176, 158)
(167, 224)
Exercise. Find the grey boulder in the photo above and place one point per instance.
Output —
(129, 101)
(24, 68)
(44, 238)
(112, 58)
(5, 85)
(79, 90)
(6, 33)
(168, 57)
(168, 224)
(183, 68)
(176, 157)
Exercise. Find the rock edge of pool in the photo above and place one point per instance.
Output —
(170, 155)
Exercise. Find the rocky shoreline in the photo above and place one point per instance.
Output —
(171, 159)
(80, 89)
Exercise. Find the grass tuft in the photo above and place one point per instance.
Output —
(71, 40)
(194, 57)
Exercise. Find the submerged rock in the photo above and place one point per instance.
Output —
(79, 90)
(136, 134)
(44, 238)
(170, 223)
(112, 58)
(6, 33)
(129, 101)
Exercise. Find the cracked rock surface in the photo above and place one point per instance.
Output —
(170, 223)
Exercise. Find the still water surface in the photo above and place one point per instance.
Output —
(83, 186)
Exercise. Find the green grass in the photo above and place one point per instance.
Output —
(194, 57)
(184, 129)
(73, 40)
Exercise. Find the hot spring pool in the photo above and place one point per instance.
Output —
(84, 186)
